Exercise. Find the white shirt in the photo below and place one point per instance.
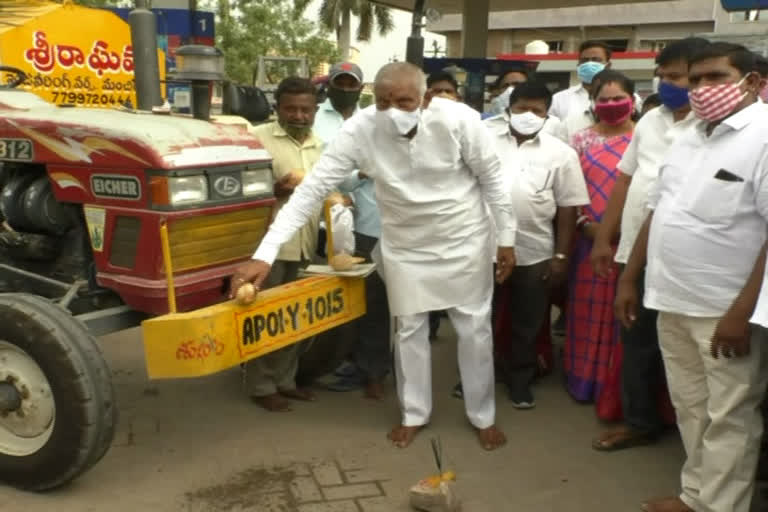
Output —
(653, 137)
(432, 192)
(573, 99)
(542, 174)
(707, 231)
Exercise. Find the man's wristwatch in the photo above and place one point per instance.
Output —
(560, 256)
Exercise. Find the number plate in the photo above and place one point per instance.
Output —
(16, 149)
(222, 336)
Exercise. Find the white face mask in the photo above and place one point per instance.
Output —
(500, 103)
(402, 121)
(526, 123)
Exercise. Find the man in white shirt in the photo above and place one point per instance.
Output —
(594, 56)
(704, 244)
(642, 371)
(573, 106)
(434, 170)
(544, 177)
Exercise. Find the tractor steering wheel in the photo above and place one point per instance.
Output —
(12, 84)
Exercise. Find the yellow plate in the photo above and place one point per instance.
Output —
(218, 337)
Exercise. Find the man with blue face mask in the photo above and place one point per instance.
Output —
(642, 373)
(435, 174)
(594, 56)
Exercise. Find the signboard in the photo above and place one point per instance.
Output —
(215, 338)
(177, 27)
(744, 5)
(91, 66)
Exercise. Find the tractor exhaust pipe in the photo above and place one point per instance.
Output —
(146, 69)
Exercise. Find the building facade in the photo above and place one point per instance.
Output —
(636, 31)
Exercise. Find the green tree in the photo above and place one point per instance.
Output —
(248, 29)
(336, 15)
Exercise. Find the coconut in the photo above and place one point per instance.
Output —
(246, 294)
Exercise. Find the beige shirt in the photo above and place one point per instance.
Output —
(290, 155)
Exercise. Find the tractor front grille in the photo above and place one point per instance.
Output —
(125, 240)
(208, 240)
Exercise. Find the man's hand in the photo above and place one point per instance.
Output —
(731, 337)
(601, 259)
(558, 272)
(625, 307)
(285, 185)
(255, 271)
(505, 263)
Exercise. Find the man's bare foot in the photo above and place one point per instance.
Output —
(491, 437)
(374, 390)
(674, 504)
(401, 436)
(302, 394)
(272, 403)
(622, 438)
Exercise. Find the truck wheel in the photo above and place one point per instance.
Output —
(57, 414)
(328, 350)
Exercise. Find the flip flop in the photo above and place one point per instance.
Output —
(631, 440)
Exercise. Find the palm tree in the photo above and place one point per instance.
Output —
(336, 15)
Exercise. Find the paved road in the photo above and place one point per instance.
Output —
(199, 445)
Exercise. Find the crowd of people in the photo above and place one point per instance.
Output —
(644, 222)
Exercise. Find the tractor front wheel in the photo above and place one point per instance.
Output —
(57, 412)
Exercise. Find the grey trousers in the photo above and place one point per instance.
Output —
(276, 371)
(372, 353)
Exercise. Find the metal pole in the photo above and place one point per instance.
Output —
(414, 52)
(146, 69)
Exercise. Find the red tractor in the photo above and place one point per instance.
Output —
(85, 195)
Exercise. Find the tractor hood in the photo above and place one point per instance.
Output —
(115, 138)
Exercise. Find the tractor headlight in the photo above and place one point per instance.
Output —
(187, 189)
(257, 182)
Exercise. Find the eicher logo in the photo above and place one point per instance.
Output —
(115, 187)
(226, 186)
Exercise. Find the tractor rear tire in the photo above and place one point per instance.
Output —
(59, 369)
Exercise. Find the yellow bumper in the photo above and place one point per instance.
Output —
(218, 337)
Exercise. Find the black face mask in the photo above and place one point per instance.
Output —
(341, 99)
(297, 131)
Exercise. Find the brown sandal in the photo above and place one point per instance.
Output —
(623, 439)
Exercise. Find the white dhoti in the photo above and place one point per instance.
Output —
(717, 404)
(413, 364)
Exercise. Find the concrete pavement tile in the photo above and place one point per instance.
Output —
(305, 489)
(377, 504)
(334, 506)
(326, 473)
(351, 491)
(359, 476)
